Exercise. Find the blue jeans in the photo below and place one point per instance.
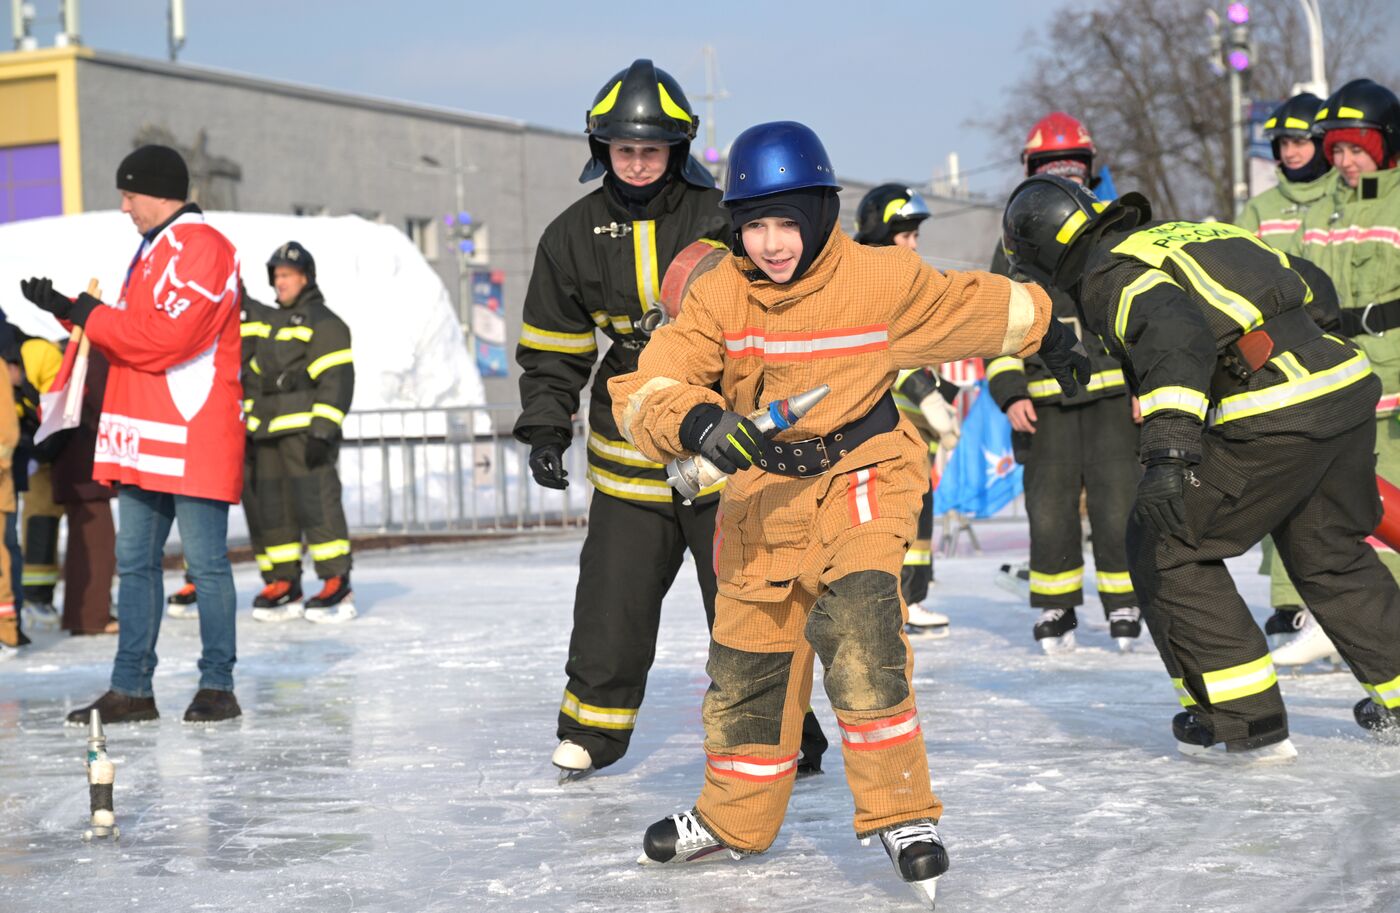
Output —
(145, 518)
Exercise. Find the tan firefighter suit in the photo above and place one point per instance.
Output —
(812, 564)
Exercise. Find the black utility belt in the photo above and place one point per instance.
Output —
(812, 457)
(1246, 355)
(1372, 320)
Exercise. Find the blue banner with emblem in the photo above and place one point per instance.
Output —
(489, 323)
(982, 476)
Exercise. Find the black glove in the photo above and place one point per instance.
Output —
(318, 452)
(1161, 497)
(727, 439)
(1065, 357)
(547, 465)
(41, 292)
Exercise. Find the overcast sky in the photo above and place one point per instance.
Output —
(891, 87)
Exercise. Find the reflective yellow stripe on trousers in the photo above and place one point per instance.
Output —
(1240, 681)
(598, 717)
(1057, 584)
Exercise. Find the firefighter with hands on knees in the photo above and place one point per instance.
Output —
(814, 523)
(1087, 442)
(1353, 234)
(598, 269)
(298, 383)
(170, 434)
(890, 214)
(1256, 420)
(1276, 216)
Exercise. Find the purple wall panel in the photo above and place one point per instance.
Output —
(31, 183)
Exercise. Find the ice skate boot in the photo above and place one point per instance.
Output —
(918, 856)
(1054, 630)
(1125, 626)
(8, 652)
(573, 760)
(40, 614)
(1310, 644)
(279, 601)
(812, 747)
(927, 622)
(181, 603)
(1195, 740)
(334, 604)
(1286, 621)
(1015, 579)
(1372, 716)
(681, 838)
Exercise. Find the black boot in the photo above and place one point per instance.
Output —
(210, 706)
(1372, 716)
(116, 708)
(814, 745)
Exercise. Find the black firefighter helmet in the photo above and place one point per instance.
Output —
(886, 211)
(1293, 118)
(1363, 103)
(294, 255)
(643, 104)
(1047, 215)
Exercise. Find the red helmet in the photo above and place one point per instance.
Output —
(1057, 136)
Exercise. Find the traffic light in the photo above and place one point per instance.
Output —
(469, 237)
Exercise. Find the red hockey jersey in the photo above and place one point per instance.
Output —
(171, 418)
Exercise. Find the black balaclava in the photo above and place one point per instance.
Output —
(814, 209)
(635, 198)
(1316, 167)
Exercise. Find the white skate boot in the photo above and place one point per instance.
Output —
(1309, 645)
(573, 760)
(927, 622)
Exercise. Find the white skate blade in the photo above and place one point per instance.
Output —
(713, 854)
(928, 632)
(1125, 644)
(278, 614)
(1277, 753)
(331, 615)
(182, 612)
(926, 890)
(573, 774)
(1014, 585)
(1062, 644)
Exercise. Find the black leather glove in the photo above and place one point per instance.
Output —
(727, 439)
(547, 465)
(41, 292)
(318, 452)
(1161, 497)
(1065, 357)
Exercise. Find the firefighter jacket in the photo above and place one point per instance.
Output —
(170, 416)
(1355, 238)
(1277, 214)
(599, 269)
(1010, 379)
(1172, 298)
(911, 387)
(300, 375)
(855, 319)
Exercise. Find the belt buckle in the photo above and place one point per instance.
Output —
(1366, 313)
(826, 457)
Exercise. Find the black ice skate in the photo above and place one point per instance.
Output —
(681, 838)
(1015, 579)
(1195, 740)
(814, 745)
(918, 856)
(1372, 716)
(280, 600)
(1054, 630)
(334, 604)
(1125, 626)
(182, 604)
(573, 760)
(1286, 621)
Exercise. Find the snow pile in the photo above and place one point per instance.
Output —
(409, 348)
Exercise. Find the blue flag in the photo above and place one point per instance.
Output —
(982, 476)
(1104, 189)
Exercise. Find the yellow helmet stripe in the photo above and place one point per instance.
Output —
(1353, 113)
(1296, 123)
(606, 105)
(893, 207)
(668, 104)
(1072, 225)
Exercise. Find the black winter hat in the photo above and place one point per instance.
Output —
(156, 171)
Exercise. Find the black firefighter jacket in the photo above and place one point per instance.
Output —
(298, 374)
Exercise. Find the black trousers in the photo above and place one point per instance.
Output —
(917, 573)
(1319, 500)
(1094, 448)
(286, 501)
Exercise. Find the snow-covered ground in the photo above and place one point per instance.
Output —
(401, 763)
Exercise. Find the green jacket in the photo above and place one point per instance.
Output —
(1356, 240)
(1276, 215)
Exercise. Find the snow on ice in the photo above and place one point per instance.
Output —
(401, 763)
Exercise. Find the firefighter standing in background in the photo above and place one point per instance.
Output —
(39, 515)
(298, 385)
(890, 214)
(1087, 442)
(599, 268)
(1211, 324)
(1276, 216)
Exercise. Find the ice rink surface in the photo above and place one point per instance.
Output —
(401, 763)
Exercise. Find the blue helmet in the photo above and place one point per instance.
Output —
(775, 158)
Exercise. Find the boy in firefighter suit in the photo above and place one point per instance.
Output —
(812, 536)
(599, 267)
(39, 515)
(1086, 443)
(297, 386)
(1216, 328)
(891, 214)
(1276, 216)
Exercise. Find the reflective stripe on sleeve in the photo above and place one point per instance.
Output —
(255, 328)
(289, 422)
(1002, 365)
(1182, 399)
(1100, 380)
(532, 337)
(301, 333)
(328, 361)
(1148, 280)
(1182, 694)
(328, 412)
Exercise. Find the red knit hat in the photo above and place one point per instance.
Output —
(1365, 137)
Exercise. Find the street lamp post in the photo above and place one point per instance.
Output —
(1312, 12)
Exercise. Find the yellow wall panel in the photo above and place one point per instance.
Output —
(31, 111)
